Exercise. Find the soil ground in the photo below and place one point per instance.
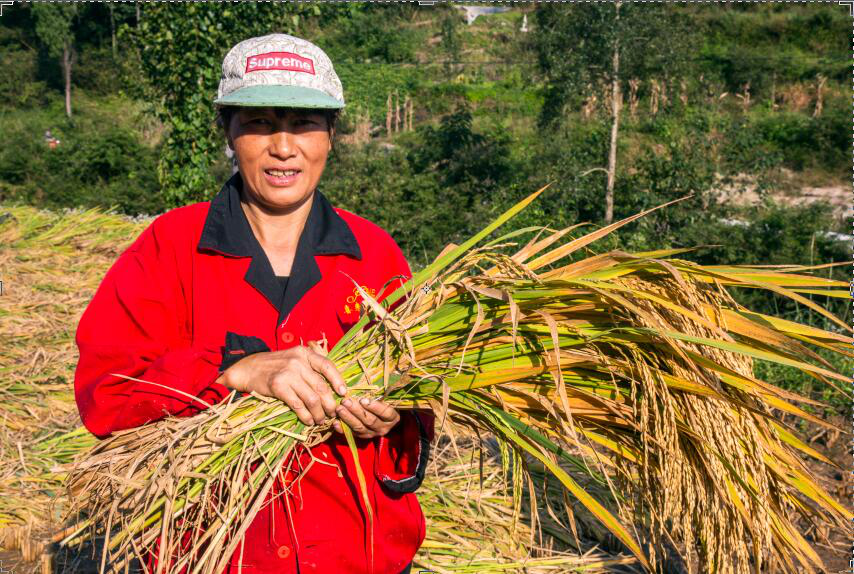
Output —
(834, 546)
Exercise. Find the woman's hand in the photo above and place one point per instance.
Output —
(299, 376)
(303, 379)
(368, 418)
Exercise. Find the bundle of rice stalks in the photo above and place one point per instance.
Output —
(52, 263)
(473, 524)
(633, 369)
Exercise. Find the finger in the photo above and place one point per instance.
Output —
(310, 399)
(327, 368)
(381, 410)
(367, 418)
(337, 426)
(352, 421)
(292, 400)
(321, 387)
(317, 348)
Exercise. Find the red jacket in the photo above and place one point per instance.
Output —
(194, 293)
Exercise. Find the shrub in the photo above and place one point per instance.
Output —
(794, 140)
(19, 87)
(373, 33)
(97, 72)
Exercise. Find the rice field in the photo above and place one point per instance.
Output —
(51, 265)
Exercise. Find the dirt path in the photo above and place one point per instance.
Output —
(742, 190)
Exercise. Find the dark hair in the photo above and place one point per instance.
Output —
(225, 113)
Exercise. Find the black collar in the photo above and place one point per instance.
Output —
(227, 231)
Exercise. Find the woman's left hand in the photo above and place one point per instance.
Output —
(367, 418)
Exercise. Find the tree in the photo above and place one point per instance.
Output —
(606, 43)
(181, 47)
(451, 43)
(472, 167)
(112, 27)
(53, 28)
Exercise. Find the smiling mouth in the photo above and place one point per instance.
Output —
(281, 172)
(281, 177)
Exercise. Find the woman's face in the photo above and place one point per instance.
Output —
(281, 153)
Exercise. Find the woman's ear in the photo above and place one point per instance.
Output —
(229, 140)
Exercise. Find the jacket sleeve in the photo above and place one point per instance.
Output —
(239, 347)
(403, 453)
(137, 326)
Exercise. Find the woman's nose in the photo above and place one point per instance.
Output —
(282, 142)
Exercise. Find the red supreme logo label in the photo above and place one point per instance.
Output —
(279, 61)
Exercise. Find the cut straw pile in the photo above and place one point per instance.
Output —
(627, 376)
(50, 265)
(474, 522)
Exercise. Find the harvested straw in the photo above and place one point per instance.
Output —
(472, 527)
(51, 264)
(25, 539)
(632, 368)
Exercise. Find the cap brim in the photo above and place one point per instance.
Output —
(280, 96)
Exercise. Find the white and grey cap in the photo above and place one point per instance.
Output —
(281, 71)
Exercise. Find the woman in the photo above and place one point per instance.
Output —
(232, 294)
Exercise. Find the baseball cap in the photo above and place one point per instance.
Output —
(279, 70)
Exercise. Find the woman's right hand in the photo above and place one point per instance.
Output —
(299, 376)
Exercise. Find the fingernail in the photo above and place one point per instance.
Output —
(346, 402)
(342, 390)
(365, 401)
